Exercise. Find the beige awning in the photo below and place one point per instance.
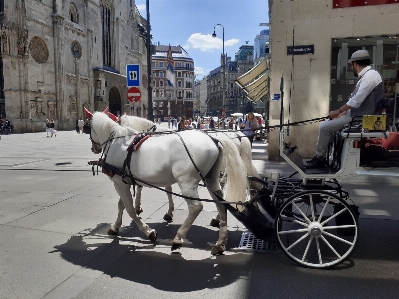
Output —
(254, 82)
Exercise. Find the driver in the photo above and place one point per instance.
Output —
(364, 100)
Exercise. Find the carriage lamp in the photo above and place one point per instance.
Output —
(356, 144)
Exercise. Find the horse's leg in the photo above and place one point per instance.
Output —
(169, 215)
(194, 208)
(126, 196)
(214, 188)
(137, 202)
(118, 223)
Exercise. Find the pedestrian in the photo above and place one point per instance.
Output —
(47, 128)
(169, 121)
(364, 100)
(53, 131)
(231, 123)
(249, 126)
(182, 124)
(77, 127)
(80, 125)
(212, 124)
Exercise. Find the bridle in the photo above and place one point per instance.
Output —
(96, 146)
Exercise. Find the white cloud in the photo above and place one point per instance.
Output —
(205, 42)
(199, 71)
(141, 8)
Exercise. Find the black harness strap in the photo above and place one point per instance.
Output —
(191, 158)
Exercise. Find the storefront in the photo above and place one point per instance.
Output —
(311, 42)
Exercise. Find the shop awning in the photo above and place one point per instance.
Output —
(254, 82)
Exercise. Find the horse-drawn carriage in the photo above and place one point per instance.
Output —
(310, 217)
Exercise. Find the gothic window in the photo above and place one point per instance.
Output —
(73, 13)
(76, 50)
(106, 32)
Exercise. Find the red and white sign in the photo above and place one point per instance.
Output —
(352, 3)
(133, 94)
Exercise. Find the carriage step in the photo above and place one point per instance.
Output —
(251, 243)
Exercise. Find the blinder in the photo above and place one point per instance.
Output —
(86, 129)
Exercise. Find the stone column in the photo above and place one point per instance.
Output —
(78, 100)
(58, 35)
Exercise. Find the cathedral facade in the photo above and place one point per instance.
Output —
(59, 56)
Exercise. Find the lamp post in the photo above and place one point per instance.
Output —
(150, 115)
(223, 69)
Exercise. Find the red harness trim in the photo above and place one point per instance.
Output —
(136, 144)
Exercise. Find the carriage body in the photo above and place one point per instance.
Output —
(315, 223)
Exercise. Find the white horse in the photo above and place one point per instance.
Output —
(171, 165)
(239, 139)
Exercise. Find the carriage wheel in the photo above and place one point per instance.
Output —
(316, 229)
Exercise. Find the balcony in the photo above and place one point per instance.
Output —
(184, 68)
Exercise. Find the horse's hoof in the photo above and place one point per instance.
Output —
(215, 223)
(217, 250)
(153, 236)
(167, 217)
(176, 246)
(139, 211)
(111, 232)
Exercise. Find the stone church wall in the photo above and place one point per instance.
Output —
(53, 66)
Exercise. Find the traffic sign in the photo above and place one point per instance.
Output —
(133, 75)
(133, 94)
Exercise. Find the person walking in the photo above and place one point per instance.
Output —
(364, 100)
(182, 124)
(53, 131)
(80, 125)
(47, 128)
(211, 124)
(249, 126)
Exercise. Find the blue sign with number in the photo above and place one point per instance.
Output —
(276, 97)
(133, 75)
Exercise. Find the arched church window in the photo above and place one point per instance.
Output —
(106, 31)
(73, 13)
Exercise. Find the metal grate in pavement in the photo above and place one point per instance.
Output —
(249, 242)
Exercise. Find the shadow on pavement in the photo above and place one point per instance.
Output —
(137, 260)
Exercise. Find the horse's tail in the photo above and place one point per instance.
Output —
(246, 156)
(235, 189)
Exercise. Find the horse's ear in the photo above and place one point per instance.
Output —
(113, 117)
(106, 110)
(88, 113)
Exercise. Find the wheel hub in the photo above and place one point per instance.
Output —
(315, 229)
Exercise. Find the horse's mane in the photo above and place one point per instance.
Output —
(140, 124)
(107, 125)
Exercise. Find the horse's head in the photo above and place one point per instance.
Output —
(95, 140)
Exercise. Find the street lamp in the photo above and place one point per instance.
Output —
(223, 67)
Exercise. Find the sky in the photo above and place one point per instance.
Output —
(190, 24)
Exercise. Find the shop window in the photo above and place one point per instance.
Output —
(383, 51)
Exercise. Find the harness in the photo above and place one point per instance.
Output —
(140, 138)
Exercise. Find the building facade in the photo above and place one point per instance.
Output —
(261, 45)
(235, 100)
(330, 31)
(59, 56)
(176, 101)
